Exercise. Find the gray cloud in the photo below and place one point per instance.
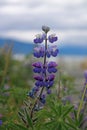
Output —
(30, 14)
(20, 17)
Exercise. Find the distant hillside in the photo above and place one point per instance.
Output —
(27, 48)
(19, 47)
(78, 50)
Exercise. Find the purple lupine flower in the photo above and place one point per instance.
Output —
(52, 64)
(52, 70)
(51, 67)
(85, 98)
(30, 94)
(38, 66)
(52, 38)
(85, 75)
(85, 119)
(38, 77)
(43, 98)
(44, 68)
(44, 36)
(33, 92)
(51, 77)
(39, 81)
(38, 39)
(44, 79)
(1, 122)
(39, 52)
(55, 52)
(37, 70)
(52, 51)
(48, 91)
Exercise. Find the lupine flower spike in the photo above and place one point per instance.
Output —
(44, 71)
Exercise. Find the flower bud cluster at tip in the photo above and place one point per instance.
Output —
(41, 37)
(46, 29)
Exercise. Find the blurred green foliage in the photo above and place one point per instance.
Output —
(15, 82)
(15, 78)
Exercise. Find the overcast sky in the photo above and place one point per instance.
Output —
(22, 19)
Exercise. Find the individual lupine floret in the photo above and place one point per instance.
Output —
(49, 81)
(52, 38)
(52, 67)
(33, 92)
(38, 39)
(52, 51)
(37, 67)
(39, 52)
(39, 80)
(43, 98)
(48, 91)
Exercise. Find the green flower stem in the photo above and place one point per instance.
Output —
(81, 102)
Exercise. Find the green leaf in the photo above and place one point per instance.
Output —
(72, 126)
(17, 126)
(67, 111)
(21, 127)
(30, 122)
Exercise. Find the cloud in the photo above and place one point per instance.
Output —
(65, 36)
(30, 14)
(21, 19)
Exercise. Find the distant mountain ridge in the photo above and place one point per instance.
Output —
(73, 50)
(19, 47)
(25, 48)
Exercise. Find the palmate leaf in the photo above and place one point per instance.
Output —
(81, 117)
(67, 112)
(14, 126)
(21, 127)
(53, 125)
(72, 123)
(65, 127)
(70, 120)
(21, 114)
(43, 114)
(54, 110)
(72, 126)
(75, 114)
(29, 120)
